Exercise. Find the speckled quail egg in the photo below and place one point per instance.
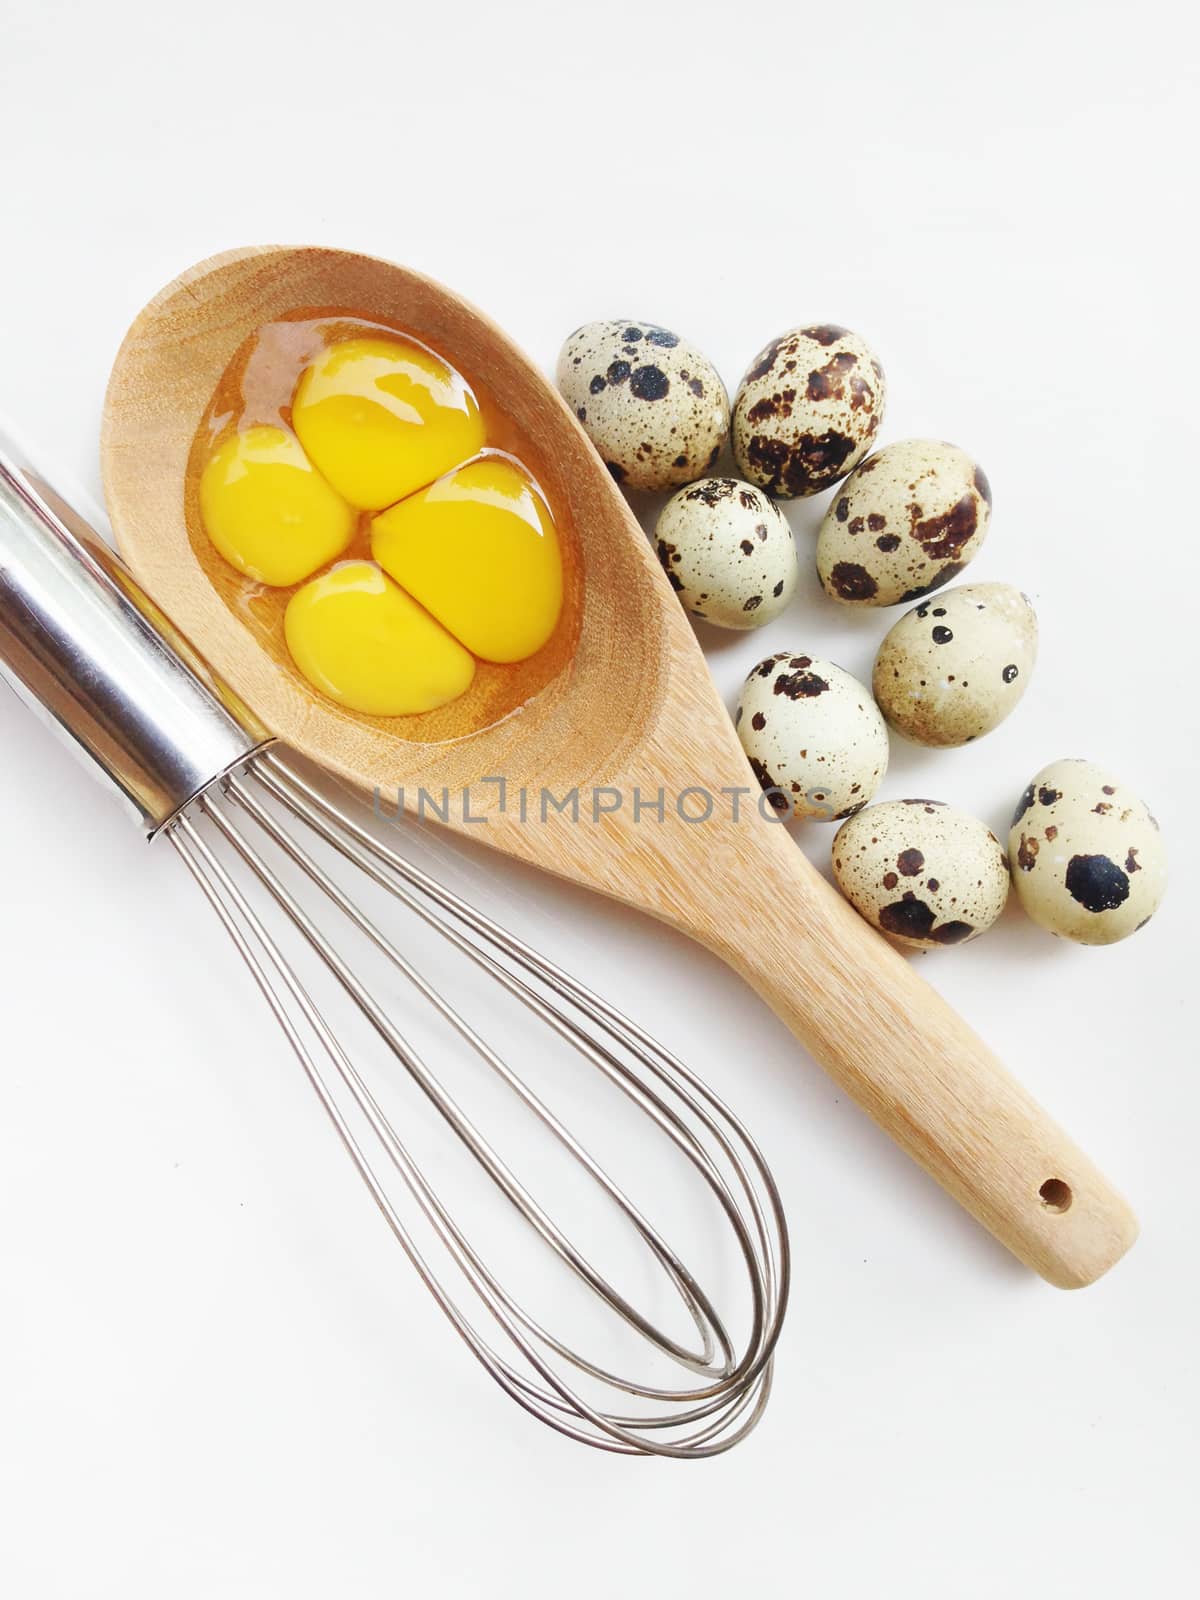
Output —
(903, 524)
(814, 736)
(954, 667)
(1087, 857)
(922, 872)
(653, 406)
(807, 410)
(728, 552)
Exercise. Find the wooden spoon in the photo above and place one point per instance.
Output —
(633, 708)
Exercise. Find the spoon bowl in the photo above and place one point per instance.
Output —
(631, 714)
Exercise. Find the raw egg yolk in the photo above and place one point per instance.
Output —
(363, 642)
(380, 417)
(267, 511)
(479, 550)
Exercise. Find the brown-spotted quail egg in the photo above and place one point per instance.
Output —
(922, 872)
(652, 405)
(807, 410)
(903, 524)
(954, 667)
(814, 736)
(1087, 857)
(728, 552)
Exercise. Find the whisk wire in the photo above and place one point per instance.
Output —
(727, 1406)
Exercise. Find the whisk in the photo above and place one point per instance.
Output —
(85, 647)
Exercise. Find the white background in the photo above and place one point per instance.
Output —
(217, 1377)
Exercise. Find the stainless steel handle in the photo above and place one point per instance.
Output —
(87, 649)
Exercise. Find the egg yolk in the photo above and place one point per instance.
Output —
(363, 642)
(268, 512)
(380, 418)
(379, 441)
(479, 550)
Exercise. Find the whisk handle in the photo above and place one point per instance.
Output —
(83, 646)
(912, 1062)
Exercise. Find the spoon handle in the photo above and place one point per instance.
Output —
(907, 1058)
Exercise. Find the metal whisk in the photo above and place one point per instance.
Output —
(83, 645)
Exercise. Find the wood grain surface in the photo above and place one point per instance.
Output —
(634, 709)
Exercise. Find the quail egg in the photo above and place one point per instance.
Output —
(807, 410)
(1087, 857)
(652, 405)
(903, 524)
(816, 741)
(954, 667)
(922, 872)
(728, 552)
